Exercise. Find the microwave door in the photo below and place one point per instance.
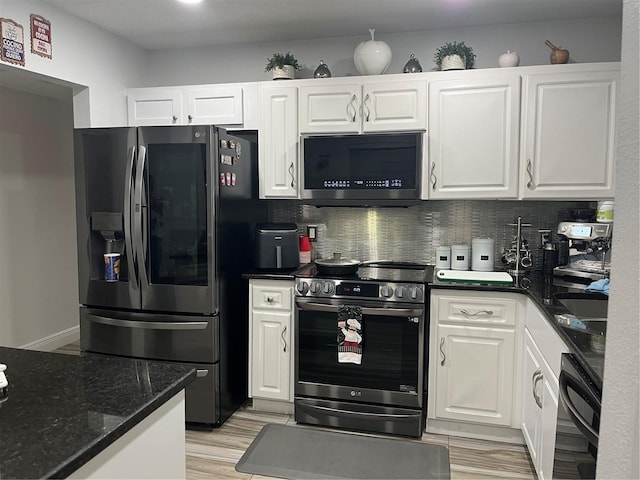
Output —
(174, 216)
(104, 162)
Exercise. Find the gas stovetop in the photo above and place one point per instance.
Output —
(385, 281)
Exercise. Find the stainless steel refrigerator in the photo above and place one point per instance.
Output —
(178, 205)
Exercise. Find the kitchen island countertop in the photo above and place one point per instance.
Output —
(62, 410)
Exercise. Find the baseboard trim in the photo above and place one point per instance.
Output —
(55, 341)
(471, 430)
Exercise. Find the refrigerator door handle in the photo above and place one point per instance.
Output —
(128, 201)
(138, 216)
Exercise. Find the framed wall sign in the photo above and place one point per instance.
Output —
(12, 35)
(40, 36)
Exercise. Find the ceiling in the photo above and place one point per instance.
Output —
(160, 24)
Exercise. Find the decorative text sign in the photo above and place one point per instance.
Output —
(12, 35)
(40, 36)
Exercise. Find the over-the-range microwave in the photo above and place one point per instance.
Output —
(367, 169)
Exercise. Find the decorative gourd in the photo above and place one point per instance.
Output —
(372, 57)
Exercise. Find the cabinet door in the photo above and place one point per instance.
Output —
(330, 108)
(215, 105)
(568, 134)
(532, 399)
(473, 137)
(394, 106)
(154, 106)
(475, 374)
(271, 354)
(278, 142)
(549, 392)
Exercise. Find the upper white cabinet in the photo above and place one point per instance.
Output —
(357, 107)
(568, 140)
(474, 357)
(474, 121)
(278, 142)
(227, 105)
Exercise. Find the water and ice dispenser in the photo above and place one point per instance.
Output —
(107, 246)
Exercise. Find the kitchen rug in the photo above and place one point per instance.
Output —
(298, 452)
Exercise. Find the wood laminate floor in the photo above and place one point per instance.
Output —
(214, 453)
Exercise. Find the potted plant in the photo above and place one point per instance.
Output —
(282, 65)
(454, 56)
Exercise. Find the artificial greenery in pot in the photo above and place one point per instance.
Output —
(282, 65)
(467, 57)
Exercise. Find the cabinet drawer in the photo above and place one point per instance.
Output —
(485, 308)
(271, 297)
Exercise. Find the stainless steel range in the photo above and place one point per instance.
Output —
(361, 348)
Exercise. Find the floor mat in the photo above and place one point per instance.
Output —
(297, 452)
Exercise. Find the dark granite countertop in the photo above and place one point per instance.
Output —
(541, 289)
(286, 274)
(62, 410)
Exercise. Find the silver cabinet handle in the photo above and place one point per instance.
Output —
(269, 299)
(174, 118)
(444, 357)
(479, 312)
(291, 174)
(537, 376)
(434, 179)
(351, 107)
(366, 107)
(190, 117)
(284, 330)
(530, 183)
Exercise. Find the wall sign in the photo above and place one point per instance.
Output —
(40, 36)
(12, 35)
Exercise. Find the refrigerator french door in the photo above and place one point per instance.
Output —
(154, 195)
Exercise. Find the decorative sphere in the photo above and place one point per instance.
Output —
(509, 59)
(372, 57)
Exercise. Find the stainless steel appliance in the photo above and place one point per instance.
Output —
(370, 168)
(176, 203)
(385, 392)
(277, 246)
(578, 422)
(589, 253)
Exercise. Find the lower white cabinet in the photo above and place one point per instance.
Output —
(270, 323)
(474, 362)
(542, 349)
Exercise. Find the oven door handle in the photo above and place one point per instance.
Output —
(566, 382)
(393, 312)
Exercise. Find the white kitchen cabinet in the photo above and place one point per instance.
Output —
(356, 107)
(270, 323)
(474, 372)
(568, 136)
(542, 349)
(226, 105)
(473, 136)
(278, 142)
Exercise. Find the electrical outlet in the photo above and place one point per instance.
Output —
(545, 237)
(312, 232)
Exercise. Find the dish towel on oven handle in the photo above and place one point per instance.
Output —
(350, 334)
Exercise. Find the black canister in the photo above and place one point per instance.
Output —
(549, 258)
(563, 251)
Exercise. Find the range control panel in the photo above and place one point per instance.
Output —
(350, 289)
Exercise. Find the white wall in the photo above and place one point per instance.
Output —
(38, 266)
(619, 452)
(82, 56)
(587, 40)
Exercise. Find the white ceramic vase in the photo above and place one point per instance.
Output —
(509, 59)
(287, 72)
(372, 57)
(453, 62)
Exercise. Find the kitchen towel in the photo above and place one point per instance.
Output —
(599, 286)
(350, 334)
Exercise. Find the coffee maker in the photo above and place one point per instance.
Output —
(589, 253)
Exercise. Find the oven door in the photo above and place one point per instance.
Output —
(391, 369)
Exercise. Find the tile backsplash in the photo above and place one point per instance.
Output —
(412, 234)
